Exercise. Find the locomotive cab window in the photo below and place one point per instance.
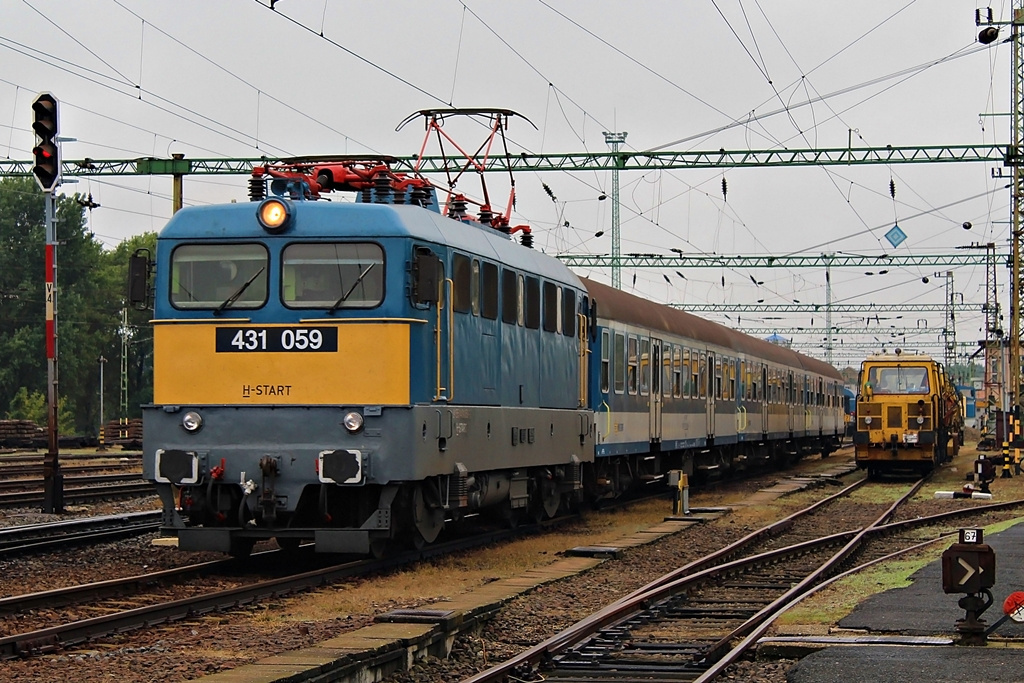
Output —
(509, 297)
(462, 278)
(332, 275)
(532, 313)
(569, 312)
(489, 289)
(551, 301)
(219, 276)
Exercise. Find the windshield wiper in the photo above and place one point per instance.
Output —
(351, 289)
(238, 292)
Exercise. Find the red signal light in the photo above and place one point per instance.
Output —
(46, 153)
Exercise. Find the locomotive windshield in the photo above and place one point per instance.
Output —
(898, 380)
(333, 275)
(219, 276)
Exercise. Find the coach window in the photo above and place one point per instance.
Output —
(619, 358)
(645, 365)
(702, 384)
(605, 361)
(551, 311)
(569, 312)
(462, 277)
(532, 303)
(689, 372)
(718, 378)
(489, 287)
(667, 375)
(632, 363)
(677, 372)
(509, 297)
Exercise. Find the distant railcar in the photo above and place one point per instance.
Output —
(909, 414)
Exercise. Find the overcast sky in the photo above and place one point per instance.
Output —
(233, 78)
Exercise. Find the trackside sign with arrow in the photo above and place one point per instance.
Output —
(968, 567)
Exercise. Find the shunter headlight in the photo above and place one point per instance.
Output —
(353, 421)
(920, 420)
(273, 214)
(192, 421)
(867, 420)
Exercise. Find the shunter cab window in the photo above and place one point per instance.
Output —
(898, 380)
(332, 275)
(219, 275)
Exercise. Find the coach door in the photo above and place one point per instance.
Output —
(709, 387)
(654, 368)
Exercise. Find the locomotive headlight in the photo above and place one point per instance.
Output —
(867, 420)
(353, 422)
(192, 421)
(273, 214)
(920, 419)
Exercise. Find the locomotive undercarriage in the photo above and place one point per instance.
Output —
(370, 519)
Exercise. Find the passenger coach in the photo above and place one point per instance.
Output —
(674, 390)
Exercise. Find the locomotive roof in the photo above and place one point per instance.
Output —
(618, 305)
(321, 219)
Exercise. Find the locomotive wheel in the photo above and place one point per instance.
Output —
(547, 500)
(427, 515)
(380, 547)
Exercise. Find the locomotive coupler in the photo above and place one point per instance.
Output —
(268, 501)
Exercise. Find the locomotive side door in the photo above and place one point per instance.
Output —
(656, 397)
(709, 387)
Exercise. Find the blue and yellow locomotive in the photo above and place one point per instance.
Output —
(351, 373)
(355, 374)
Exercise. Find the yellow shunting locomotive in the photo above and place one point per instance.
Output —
(909, 415)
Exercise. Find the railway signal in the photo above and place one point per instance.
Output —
(46, 153)
(970, 567)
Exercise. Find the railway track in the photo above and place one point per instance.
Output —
(7, 471)
(76, 491)
(693, 622)
(175, 594)
(18, 540)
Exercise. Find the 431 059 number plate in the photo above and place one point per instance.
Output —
(277, 339)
